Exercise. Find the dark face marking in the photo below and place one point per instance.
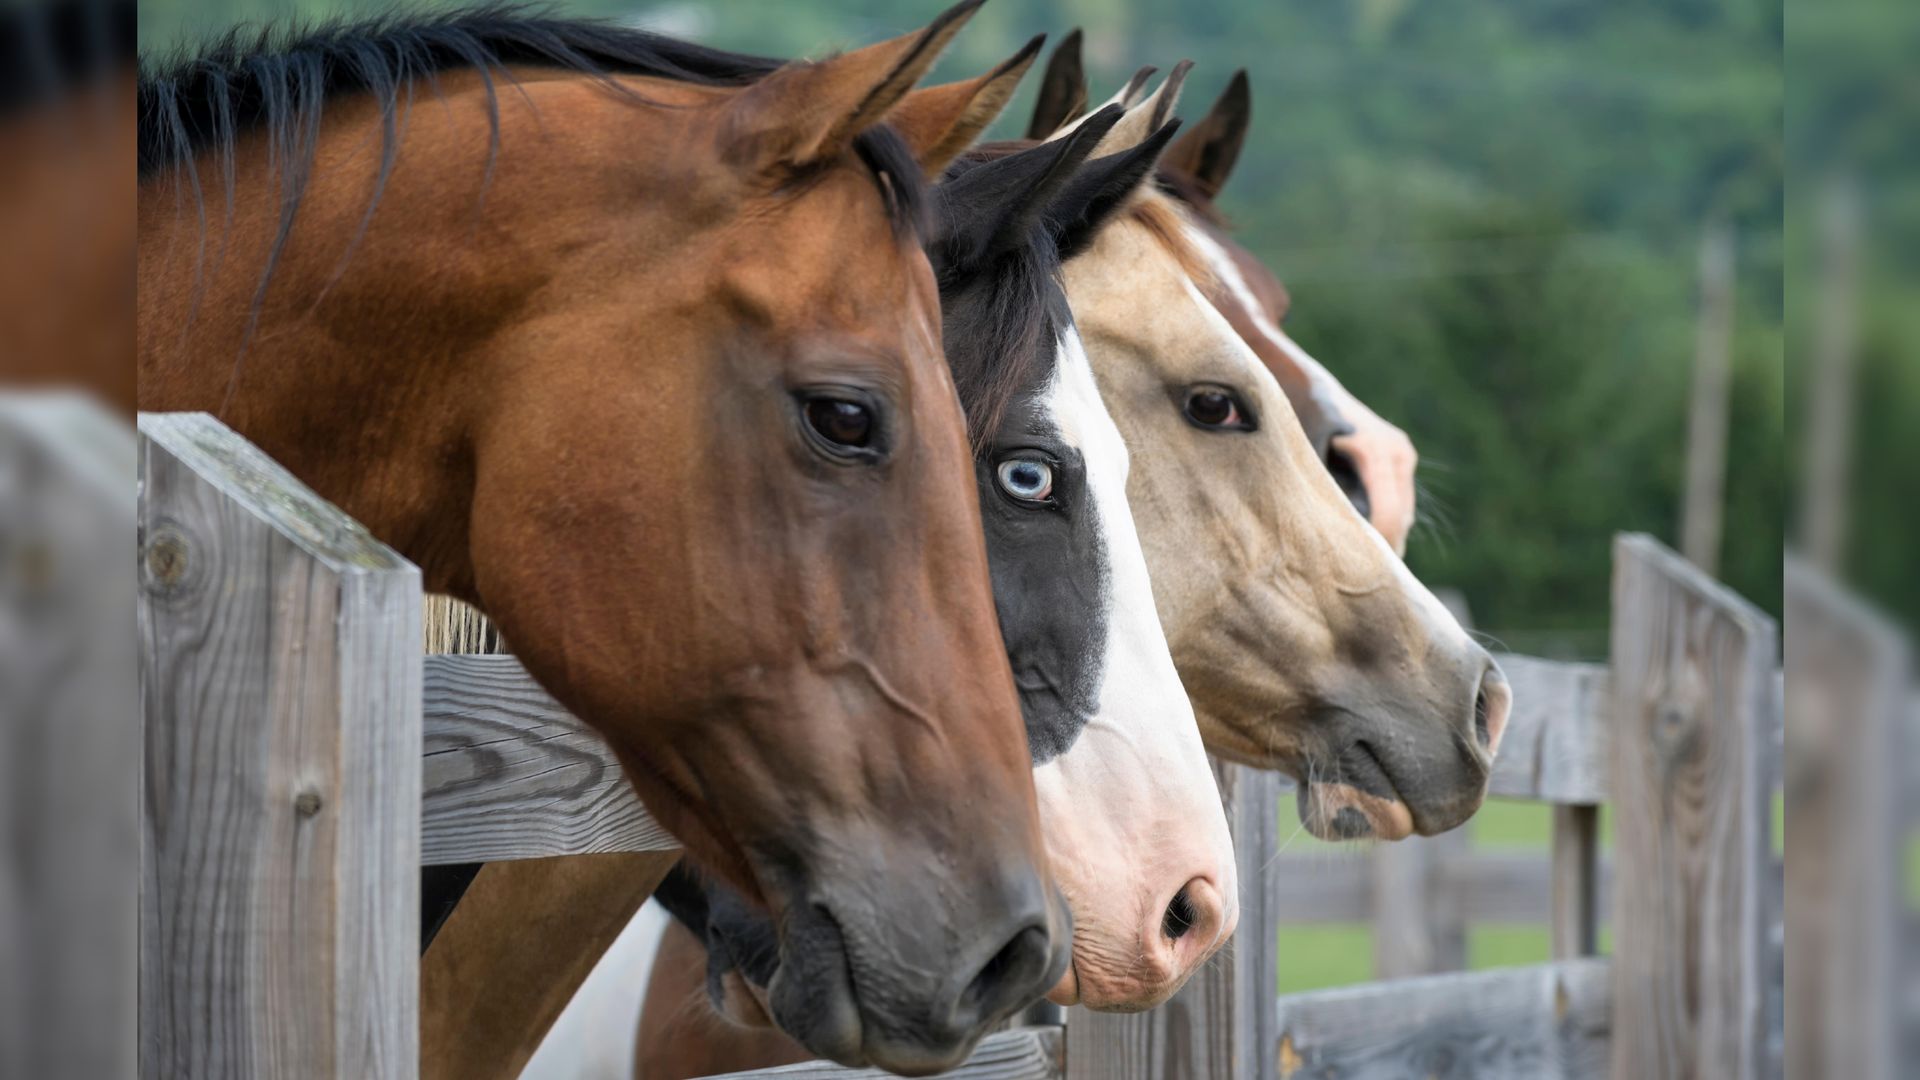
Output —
(1047, 559)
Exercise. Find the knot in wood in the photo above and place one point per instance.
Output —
(307, 804)
(1676, 731)
(169, 557)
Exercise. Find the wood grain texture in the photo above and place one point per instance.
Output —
(1533, 1023)
(1555, 748)
(1693, 679)
(512, 775)
(1849, 676)
(280, 683)
(1020, 1054)
(1218, 1027)
(69, 741)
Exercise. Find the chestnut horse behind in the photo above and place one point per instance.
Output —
(642, 356)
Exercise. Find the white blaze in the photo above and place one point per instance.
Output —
(1132, 811)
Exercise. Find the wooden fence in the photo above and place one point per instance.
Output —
(286, 815)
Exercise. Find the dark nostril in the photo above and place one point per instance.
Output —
(1480, 711)
(1179, 917)
(1022, 959)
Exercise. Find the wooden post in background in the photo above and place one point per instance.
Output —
(1575, 924)
(1848, 684)
(1830, 381)
(1705, 493)
(280, 675)
(1221, 1025)
(1693, 694)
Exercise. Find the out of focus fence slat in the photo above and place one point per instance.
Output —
(1693, 691)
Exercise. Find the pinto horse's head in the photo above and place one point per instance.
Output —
(1302, 638)
(643, 355)
(1128, 803)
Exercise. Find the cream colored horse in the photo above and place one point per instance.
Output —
(1304, 642)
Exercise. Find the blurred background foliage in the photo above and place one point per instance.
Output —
(1489, 214)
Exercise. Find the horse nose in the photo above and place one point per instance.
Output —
(1012, 977)
(915, 1027)
(1492, 702)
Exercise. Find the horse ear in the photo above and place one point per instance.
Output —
(939, 122)
(1101, 188)
(1208, 152)
(1126, 98)
(1147, 116)
(806, 113)
(995, 205)
(1063, 89)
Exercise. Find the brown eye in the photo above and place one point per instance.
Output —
(1216, 407)
(841, 422)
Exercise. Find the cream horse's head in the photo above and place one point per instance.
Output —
(1303, 640)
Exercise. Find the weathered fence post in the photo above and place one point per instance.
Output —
(280, 680)
(1693, 695)
(1848, 694)
(1221, 1025)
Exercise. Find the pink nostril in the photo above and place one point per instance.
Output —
(1197, 909)
(1490, 708)
(1180, 916)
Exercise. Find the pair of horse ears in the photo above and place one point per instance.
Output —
(1058, 185)
(1206, 153)
(807, 113)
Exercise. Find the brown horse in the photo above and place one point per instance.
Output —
(1371, 459)
(642, 356)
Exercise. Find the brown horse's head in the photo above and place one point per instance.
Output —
(1303, 640)
(643, 355)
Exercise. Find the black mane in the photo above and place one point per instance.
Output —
(196, 100)
(276, 80)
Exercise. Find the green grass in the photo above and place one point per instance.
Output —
(1328, 954)
(1492, 945)
(1501, 824)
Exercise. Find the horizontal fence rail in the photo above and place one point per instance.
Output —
(1022, 1054)
(1549, 1022)
(511, 775)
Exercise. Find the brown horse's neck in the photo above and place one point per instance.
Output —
(370, 366)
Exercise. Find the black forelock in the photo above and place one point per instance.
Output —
(999, 342)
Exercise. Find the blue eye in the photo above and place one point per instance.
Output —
(1026, 479)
